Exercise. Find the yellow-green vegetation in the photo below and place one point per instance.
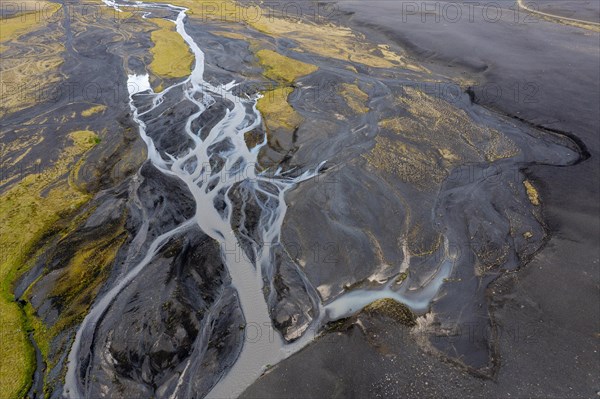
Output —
(448, 155)
(392, 309)
(393, 124)
(338, 325)
(253, 138)
(281, 68)
(84, 139)
(532, 193)
(439, 124)
(80, 281)
(171, 57)
(422, 242)
(355, 97)
(326, 40)
(410, 164)
(433, 138)
(12, 152)
(490, 257)
(274, 105)
(33, 15)
(332, 42)
(93, 110)
(27, 69)
(401, 278)
(28, 211)
(230, 35)
(376, 247)
(276, 110)
(499, 147)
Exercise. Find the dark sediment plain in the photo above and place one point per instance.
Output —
(360, 216)
(546, 339)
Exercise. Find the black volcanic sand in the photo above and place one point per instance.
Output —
(357, 214)
(545, 315)
(93, 75)
(585, 10)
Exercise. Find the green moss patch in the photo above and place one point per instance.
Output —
(28, 212)
(96, 109)
(281, 68)
(171, 57)
(392, 309)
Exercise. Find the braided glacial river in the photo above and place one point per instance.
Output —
(217, 159)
